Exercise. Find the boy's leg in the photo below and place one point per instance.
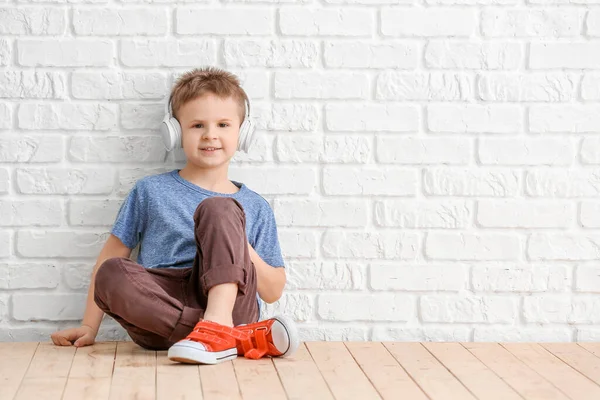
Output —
(148, 303)
(223, 276)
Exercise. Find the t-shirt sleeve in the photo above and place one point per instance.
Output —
(267, 240)
(129, 223)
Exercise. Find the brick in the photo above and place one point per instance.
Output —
(32, 21)
(320, 213)
(93, 212)
(525, 87)
(589, 150)
(561, 183)
(117, 149)
(28, 276)
(371, 117)
(276, 181)
(346, 149)
(526, 151)
(5, 116)
(168, 52)
(370, 245)
(428, 22)
(588, 334)
(559, 246)
(65, 53)
(418, 277)
(142, 116)
(31, 212)
(587, 278)
(365, 307)
(590, 86)
(324, 275)
(4, 180)
(65, 181)
(128, 177)
(32, 85)
(67, 116)
(468, 309)
(369, 181)
(118, 85)
(295, 305)
(474, 118)
(466, 55)
(48, 307)
(353, 22)
(270, 53)
(567, 54)
(286, 117)
(470, 182)
(44, 243)
(565, 118)
(296, 244)
(321, 85)
(436, 86)
(472, 246)
(77, 276)
(421, 334)
(359, 54)
(5, 52)
(298, 148)
(417, 150)
(31, 149)
(536, 23)
(130, 21)
(224, 21)
(524, 214)
(589, 214)
(413, 214)
(474, 2)
(320, 332)
(522, 334)
(5, 244)
(561, 309)
(520, 278)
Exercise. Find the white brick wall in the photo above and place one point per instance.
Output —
(433, 165)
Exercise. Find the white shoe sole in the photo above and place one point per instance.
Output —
(190, 354)
(285, 335)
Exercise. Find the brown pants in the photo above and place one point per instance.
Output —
(160, 306)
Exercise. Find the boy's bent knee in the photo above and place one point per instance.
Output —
(216, 206)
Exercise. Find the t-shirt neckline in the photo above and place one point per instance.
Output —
(193, 186)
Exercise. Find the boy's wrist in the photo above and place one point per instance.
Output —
(94, 330)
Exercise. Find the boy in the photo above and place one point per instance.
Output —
(209, 245)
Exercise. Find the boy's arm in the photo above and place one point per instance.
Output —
(112, 248)
(270, 280)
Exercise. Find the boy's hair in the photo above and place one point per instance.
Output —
(200, 81)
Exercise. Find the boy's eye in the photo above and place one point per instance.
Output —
(224, 125)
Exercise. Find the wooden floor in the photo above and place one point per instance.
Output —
(319, 370)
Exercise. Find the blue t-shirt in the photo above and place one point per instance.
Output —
(159, 213)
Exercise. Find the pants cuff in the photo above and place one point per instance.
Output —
(219, 274)
(187, 321)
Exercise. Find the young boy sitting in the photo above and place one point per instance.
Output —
(209, 246)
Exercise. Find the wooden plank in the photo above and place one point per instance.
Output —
(258, 379)
(47, 373)
(16, 358)
(176, 380)
(473, 374)
(593, 348)
(571, 382)
(518, 375)
(344, 377)
(91, 372)
(577, 357)
(430, 375)
(301, 377)
(134, 373)
(219, 382)
(388, 377)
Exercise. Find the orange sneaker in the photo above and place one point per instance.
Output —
(208, 343)
(275, 337)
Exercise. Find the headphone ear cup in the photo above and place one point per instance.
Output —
(168, 133)
(247, 136)
(178, 138)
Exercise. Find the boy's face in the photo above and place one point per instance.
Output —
(209, 122)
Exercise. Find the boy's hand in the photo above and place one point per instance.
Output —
(82, 336)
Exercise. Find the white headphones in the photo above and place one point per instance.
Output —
(171, 130)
